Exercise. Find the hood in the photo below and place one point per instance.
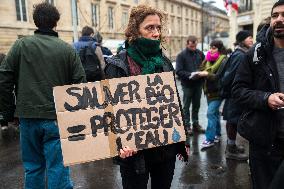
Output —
(265, 35)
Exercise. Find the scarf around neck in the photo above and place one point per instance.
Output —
(147, 53)
(212, 57)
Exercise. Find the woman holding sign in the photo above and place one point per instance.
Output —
(143, 55)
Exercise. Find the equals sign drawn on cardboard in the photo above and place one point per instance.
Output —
(76, 129)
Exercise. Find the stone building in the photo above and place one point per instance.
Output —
(110, 17)
(250, 15)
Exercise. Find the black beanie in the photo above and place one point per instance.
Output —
(242, 35)
(278, 3)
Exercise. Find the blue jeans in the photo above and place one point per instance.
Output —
(213, 115)
(42, 155)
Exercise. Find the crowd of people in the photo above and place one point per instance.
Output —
(248, 80)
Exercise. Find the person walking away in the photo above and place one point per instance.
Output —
(258, 87)
(214, 58)
(99, 42)
(143, 55)
(3, 123)
(231, 110)
(91, 55)
(35, 64)
(188, 64)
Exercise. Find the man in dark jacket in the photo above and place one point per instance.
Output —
(259, 87)
(232, 111)
(35, 64)
(188, 63)
(86, 39)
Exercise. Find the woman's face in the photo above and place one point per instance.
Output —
(150, 28)
(213, 50)
(248, 42)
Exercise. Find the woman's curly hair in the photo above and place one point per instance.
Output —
(137, 16)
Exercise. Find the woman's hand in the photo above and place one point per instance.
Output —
(203, 74)
(126, 152)
(180, 156)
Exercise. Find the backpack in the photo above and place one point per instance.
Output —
(224, 89)
(91, 63)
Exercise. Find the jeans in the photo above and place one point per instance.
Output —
(191, 95)
(213, 115)
(42, 155)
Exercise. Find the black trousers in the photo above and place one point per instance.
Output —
(161, 175)
(278, 179)
(264, 164)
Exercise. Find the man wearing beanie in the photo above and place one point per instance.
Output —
(231, 110)
(259, 88)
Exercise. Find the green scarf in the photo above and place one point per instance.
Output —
(147, 53)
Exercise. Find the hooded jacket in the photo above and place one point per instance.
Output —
(256, 79)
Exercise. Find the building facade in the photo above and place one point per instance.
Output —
(110, 18)
(251, 14)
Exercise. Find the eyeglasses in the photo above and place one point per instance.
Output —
(153, 28)
(213, 48)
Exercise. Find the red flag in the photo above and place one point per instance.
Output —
(231, 3)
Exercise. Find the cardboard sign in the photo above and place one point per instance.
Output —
(97, 119)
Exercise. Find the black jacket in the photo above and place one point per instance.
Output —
(189, 61)
(256, 79)
(117, 66)
(231, 110)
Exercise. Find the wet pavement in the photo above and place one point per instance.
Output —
(205, 170)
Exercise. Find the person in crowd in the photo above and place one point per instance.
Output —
(35, 64)
(143, 55)
(188, 64)
(3, 123)
(88, 38)
(231, 110)
(99, 42)
(259, 88)
(264, 22)
(214, 58)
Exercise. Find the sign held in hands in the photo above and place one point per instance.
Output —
(97, 119)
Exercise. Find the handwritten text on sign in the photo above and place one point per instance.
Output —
(97, 119)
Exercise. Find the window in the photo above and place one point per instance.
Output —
(95, 15)
(136, 1)
(110, 18)
(124, 18)
(186, 26)
(179, 26)
(50, 1)
(186, 12)
(76, 12)
(165, 6)
(156, 3)
(178, 10)
(173, 24)
(21, 10)
(172, 8)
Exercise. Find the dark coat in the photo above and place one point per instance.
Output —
(117, 66)
(189, 61)
(256, 79)
(35, 64)
(231, 110)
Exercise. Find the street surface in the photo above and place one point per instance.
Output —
(205, 170)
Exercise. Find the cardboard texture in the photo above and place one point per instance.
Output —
(97, 119)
